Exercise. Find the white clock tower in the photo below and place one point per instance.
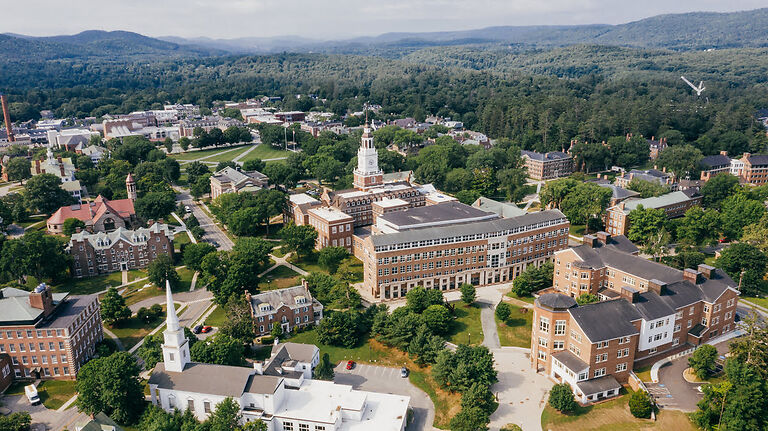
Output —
(176, 345)
(367, 174)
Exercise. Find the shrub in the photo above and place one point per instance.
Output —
(468, 293)
(267, 339)
(511, 427)
(503, 311)
(561, 398)
(703, 361)
(640, 404)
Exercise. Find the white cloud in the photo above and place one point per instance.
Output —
(327, 19)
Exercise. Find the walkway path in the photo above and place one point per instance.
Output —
(283, 261)
(184, 226)
(216, 154)
(117, 341)
(244, 153)
(193, 284)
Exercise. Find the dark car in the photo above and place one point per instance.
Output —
(403, 372)
(350, 365)
(197, 329)
(207, 329)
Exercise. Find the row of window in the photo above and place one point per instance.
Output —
(30, 333)
(32, 347)
(46, 372)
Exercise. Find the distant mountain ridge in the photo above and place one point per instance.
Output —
(687, 31)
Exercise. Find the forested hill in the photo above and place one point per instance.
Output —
(695, 30)
(93, 43)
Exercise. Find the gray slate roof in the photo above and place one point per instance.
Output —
(199, 378)
(619, 192)
(571, 361)
(482, 227)
(715, 161)
(652, 306)
(297, 351)
(555, 301)
(442, 212)
(552, 155)
(606, 320)
(600, 384)
(658, 201)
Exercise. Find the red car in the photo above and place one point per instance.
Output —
(207, 329)
(350, 365)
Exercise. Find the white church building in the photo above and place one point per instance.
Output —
(279, 391)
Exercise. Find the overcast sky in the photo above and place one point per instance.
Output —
(328, 19)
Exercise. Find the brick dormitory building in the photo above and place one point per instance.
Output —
(674, 204)
(47, 335)
(120, 250)
(292, 307)
(646, 311)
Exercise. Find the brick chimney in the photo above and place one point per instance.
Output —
(724, 153)
(691, 275)
(590, 240)
(603, 237)
(629, 293)
(41, 299)
(657, 286)
(707, 271)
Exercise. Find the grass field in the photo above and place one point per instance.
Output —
(89, 285)
(178, 240)
(517, 330)
(447, 404)
(763, 302)
(54, 393)
(644, 373)
(217, 318)
(612, 415)
(264, 151)
(467, 328)
(185, 274)
(230, 155)
(279, 278)
(133, 330)
(528, 299)
(308, 263)
(194, 155)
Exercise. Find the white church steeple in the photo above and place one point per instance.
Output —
(176, 345)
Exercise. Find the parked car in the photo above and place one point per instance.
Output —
(403, 372)
(187, 209)
(350, 365)
(207, 329)
(197, 329)
(32, 395)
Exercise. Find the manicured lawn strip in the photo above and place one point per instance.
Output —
(643, 373)
(54, 393)
(194, 155)
(308, 263)
(447, 404)
(179, 239)
(134, 330)
(217, 318)
(265, 151)
(141, 293)
(279, 278)
(89, 285)
(466, 328)
(577, 230)
(612, 415)
(225, 157)
(278, 251)
(185, 274)
(357, 269)
(763, 302)
(517, 330)
(528, 299)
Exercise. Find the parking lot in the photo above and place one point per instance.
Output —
(387, 380)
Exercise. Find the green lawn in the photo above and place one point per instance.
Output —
(466, 328)
(230, 155)
(278, 251)
(264, 151)
(133, 330)
(89, 285)
(612, 415)
(763, 302)
(644, 373)
(517, 330)
(178, 240)
(140, 292)
(194, 155)
(54, 393)
(217, 318)
(307, 263)
(577, 230)
(528, 299)
(279, 278)
(185, 274)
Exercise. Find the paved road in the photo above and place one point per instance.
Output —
(40, 415)
(212, 231)
(387, 380)
(673, 391)
(522, 393)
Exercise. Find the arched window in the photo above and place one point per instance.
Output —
(171, 402)
(109, 224)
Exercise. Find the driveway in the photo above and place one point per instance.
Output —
(672, 391)
(212, 231)
(40, 415)
(522, 393)
(387, 380)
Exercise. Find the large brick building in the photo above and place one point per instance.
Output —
(101, 215)
(292, 307)
(444, 245)
(755, 170)
(652, 310)
(48, 335)
(674, 204)
(547, 166)
(119, 250)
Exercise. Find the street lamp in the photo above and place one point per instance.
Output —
(469, 338)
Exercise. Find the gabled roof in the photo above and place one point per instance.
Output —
(223, 380)
(104, 240)
(552, 155)
(651, 306)
(231, 175)
(90, 212)
(503, 209)
(716, 160)
(571, 361)
(657, 201)
(279, 297)
(606, 320)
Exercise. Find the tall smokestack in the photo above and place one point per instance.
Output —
(7, 119)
